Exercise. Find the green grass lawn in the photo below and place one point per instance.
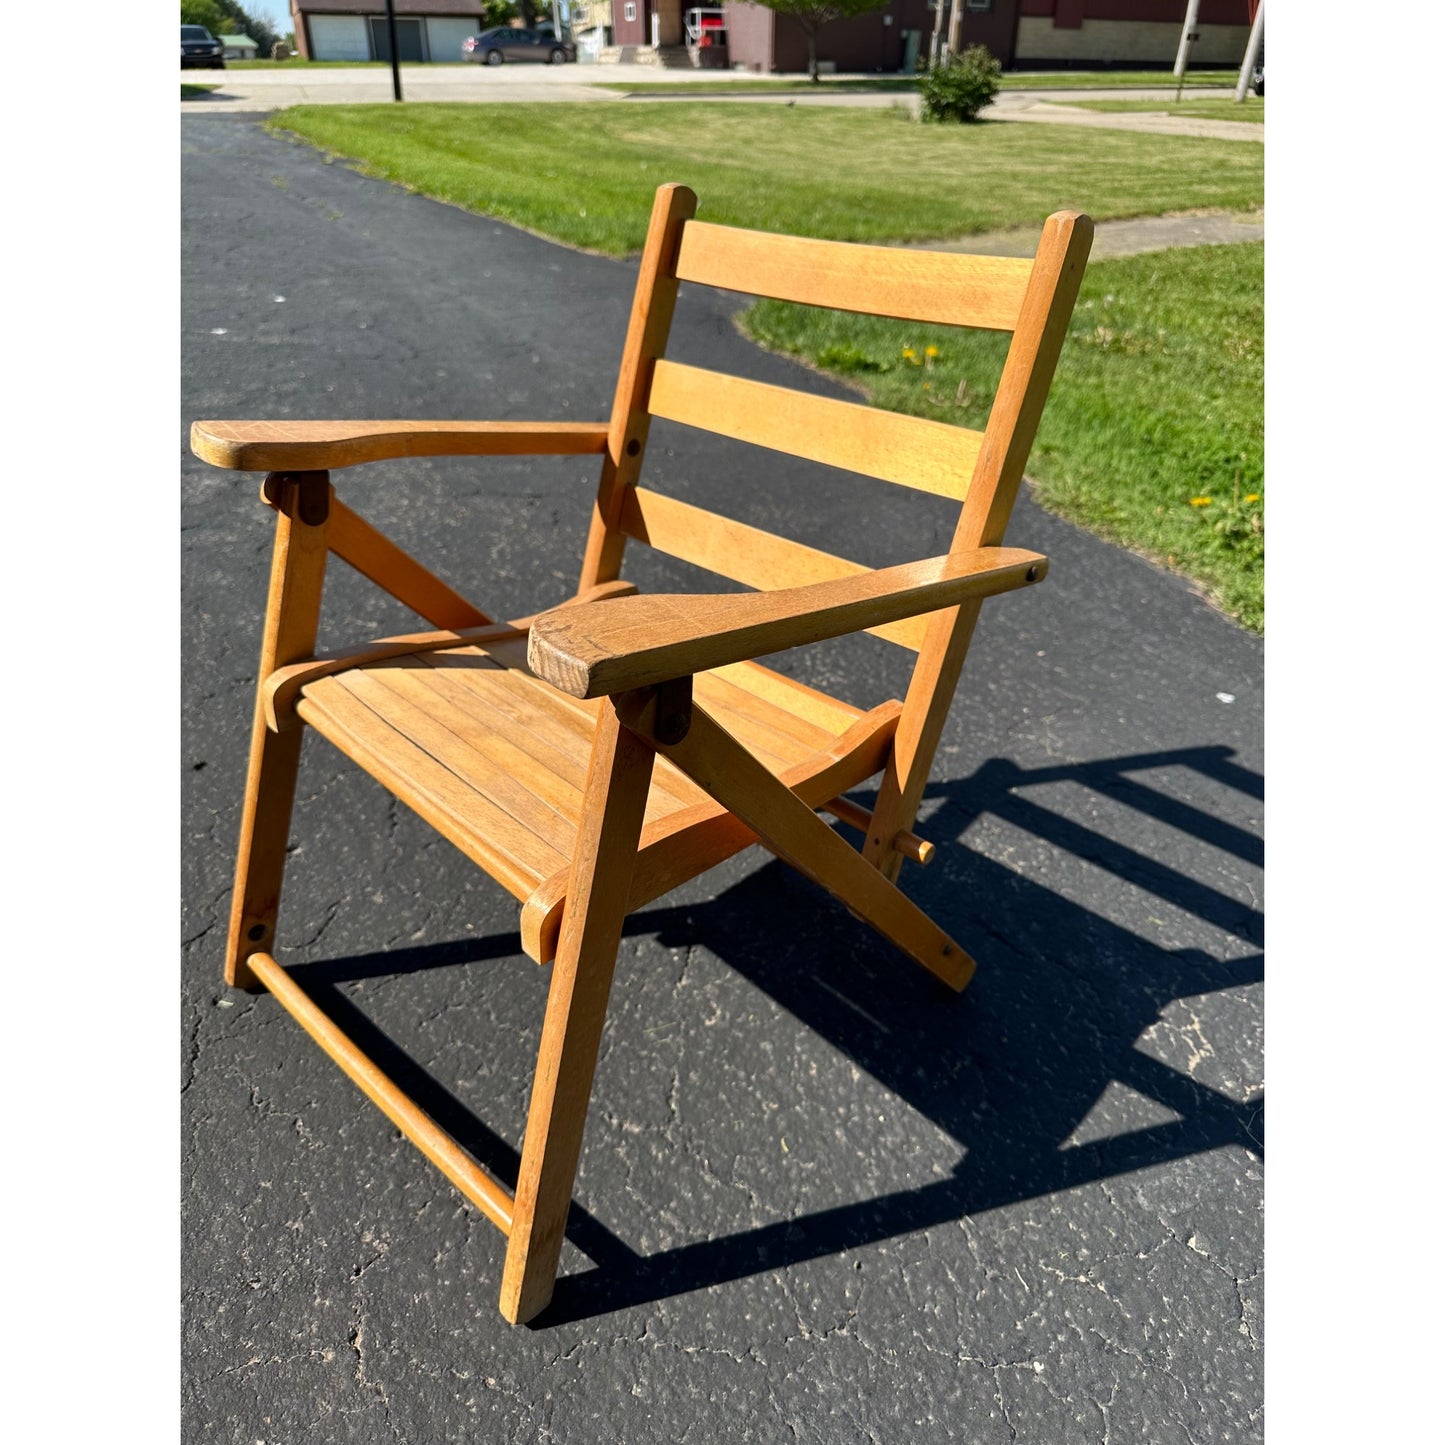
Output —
(586, 173)
(1154, 430)
(1113, 79)
(1211, 107)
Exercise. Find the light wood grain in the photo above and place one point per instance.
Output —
(929, 456)
(689, 841)
(496, 759)
(476, 1185)
(742, 553)
(647, 331)
(380, 560)
(460, 743)
(285, 446)
(280, 691)
(953, 290)
(792, 696)
(1058, 269)
(857, 817)
(485, 832)
(293, 609)
(640, 641)
(601, 878)
(535, 746)
(790, 828)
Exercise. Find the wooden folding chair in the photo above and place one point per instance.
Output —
(594, 757)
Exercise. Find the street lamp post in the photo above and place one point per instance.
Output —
(1186, 41)
(1251, 52)
(395, 62)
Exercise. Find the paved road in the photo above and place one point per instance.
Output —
(819, 1201)
(258, 91)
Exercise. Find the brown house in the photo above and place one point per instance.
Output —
(1127, 33)
(1043, 34)
(426, 30)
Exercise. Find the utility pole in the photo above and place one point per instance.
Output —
(1251, 52)
(1186, 41)
(955, 20)
(936, 44)
(395, 63)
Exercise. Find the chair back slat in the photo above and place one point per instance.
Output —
(913, 451)
(744, 554)
(1031, 298)
(939, 287)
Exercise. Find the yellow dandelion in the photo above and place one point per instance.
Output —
(909, 354)
(1251, 496)
(1201, 501)
(930, 351)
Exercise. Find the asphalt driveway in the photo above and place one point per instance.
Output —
(819, 1200)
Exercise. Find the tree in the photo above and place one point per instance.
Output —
(226, 17)
(497, 12)
(812, 15)
(253, 25)
(203, 12)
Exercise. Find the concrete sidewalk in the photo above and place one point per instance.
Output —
(1122, 238)
(258, 91)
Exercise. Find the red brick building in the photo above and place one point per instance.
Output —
(1023, 34)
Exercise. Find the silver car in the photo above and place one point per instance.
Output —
(506, 43)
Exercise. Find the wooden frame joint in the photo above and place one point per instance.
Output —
(857, 817)
(673, 720)
(303, 496)
(661, 714)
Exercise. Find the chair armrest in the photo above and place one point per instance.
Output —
(632, 642)
(319, 446)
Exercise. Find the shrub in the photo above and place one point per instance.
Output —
(961, 88)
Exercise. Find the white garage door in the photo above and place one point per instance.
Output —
(339, 37)
(445, 34)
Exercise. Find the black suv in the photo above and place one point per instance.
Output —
(200, 49)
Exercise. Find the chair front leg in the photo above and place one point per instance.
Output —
(602, 866)
(293, 606)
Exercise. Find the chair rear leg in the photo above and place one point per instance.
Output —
(602, 868)
(293, 606)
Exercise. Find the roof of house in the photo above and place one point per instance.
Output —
(470, 8)
(236, 40)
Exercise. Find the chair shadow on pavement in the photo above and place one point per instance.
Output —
(1014, 1065)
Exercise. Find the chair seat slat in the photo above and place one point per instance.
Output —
(496, 759)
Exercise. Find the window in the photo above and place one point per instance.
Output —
(629, 11)
(978, 5)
